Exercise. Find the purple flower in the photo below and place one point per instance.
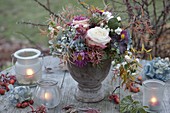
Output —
(78, 18)
(124, 36)
(80, 59)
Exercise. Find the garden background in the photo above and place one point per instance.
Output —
(15, 35)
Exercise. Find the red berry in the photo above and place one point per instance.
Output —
(112, 97)
(31, 102)
(18, 105)
(23, 105)
(26, 104)
(116, 100)
(139, 78)
(12, 81)
(2, 91)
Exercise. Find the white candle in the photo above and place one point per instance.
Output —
(29, 73)
(154, 104)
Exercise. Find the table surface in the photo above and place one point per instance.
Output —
(68, 87)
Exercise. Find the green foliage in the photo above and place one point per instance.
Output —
(128, 105)
(113, 23)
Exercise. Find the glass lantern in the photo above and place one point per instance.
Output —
(47, 93)
(28, 66)
(153, 92)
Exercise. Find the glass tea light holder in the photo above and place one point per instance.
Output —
(153, 92)
(47, 93)
(28, 66)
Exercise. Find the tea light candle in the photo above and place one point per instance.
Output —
(29, 73)
(28, 66)
(47, 96)
(154, 104)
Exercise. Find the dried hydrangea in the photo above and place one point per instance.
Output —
(20, 94)
(158, 69)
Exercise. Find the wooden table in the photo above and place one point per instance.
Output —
(68, 87)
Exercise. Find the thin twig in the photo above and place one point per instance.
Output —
(115, 89)
(83, 4)
(51, 12)
(32, 42)
(46, 8)
(33, 24)
(63, 80)
(48, 4)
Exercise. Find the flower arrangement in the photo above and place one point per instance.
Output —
(90, 38)
(158, 69)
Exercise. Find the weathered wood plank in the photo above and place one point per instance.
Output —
(69, 88)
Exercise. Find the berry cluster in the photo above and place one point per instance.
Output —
(25, 104)
(5, 80)
(133, 88)
(114, 98)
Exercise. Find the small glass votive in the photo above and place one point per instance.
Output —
(28, 66)
(47, 93)
(153, 92)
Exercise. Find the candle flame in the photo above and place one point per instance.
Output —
(153, 99)
(47, 96)
(29, 72)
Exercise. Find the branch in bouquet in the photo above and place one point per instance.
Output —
(33, 24)
(51, 12)
(84, 5)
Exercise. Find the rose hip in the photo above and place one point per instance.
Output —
(2, 91)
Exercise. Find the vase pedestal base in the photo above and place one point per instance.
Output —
(89, 95)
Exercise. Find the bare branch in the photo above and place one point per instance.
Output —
(48, 4)
(51, 12)
(83, 5)
(154, 12)
(33, 24)
(31, 42)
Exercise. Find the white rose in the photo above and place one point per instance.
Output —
(98, 37)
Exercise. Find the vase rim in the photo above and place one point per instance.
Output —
(161, 83)
(46, 82)
(36, 54)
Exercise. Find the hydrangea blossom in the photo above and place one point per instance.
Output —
(158, 69)
(20, 94)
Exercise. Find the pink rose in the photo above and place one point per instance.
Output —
(84, 23)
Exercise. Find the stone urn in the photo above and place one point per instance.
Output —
(89, 80)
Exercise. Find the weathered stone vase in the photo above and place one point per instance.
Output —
(89, 80)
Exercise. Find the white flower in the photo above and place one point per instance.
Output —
(124, 63)
(59, 27)
(118, 30)
(63, 38)
(113, 62)
(133, 74)
(117, 66)
(129, 53)
(102, 24)
(108, 15)
(98, 37)
(167, 59)
(118, 18)
(128, 59)
(137, 60)
(50, 28)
